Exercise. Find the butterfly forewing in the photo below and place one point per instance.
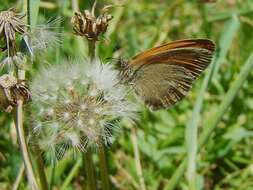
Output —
(165, 74)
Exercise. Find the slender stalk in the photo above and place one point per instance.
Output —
(75, 5)
(52, 175)
(18, 118)
(18, 115)
(87, 157)
(92, 48)
(137, 159)
(103, 168)
(89, 169)
(213, 121)
(40, 168)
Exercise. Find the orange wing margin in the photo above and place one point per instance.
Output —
(190, 43)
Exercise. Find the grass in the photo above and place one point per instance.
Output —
(216, 116)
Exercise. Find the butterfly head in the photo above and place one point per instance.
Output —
(126, 73)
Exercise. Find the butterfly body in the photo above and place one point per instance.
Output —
(163, 75)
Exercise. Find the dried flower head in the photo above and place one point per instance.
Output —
(10, 24)
(78, 105)
(86, 24)
(12, 90)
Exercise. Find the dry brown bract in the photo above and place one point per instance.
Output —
(10, 23)
(86, 24)
(12, 90)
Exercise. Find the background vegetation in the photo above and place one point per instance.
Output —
(165, 137)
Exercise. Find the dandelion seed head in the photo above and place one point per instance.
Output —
(45, 36)
(87, 103)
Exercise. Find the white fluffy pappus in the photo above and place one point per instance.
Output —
(78, 105)
(35, 40)
(45, 36)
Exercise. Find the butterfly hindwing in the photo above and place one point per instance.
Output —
(165, 74)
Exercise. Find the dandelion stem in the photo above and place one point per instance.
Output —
(88, 163)
(103, 168)
(91, 46)
(52, 173)
(40, 168)
(75, 6)
(89, 169)
(18, 118)
(18, 115)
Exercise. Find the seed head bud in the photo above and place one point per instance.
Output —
(12, 90)
(86, 24)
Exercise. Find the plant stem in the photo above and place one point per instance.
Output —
(89, 169)
(40, 168)
(18, 118)
(92, 48)
(52, 175)
(103, 168)
(212, 123)
(75, 5)
(18, 115)
(87, 157)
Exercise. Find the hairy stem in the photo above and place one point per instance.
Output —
(103, 168)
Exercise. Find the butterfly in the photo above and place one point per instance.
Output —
(162, 76)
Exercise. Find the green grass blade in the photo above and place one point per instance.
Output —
(72, 174)
(227, 100)
(191, 131)
(34, 11)
(213, 121)
(230, 29)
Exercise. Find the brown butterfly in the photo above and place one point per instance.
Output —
(163, 75)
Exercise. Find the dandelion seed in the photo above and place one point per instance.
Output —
(45, 36)
(86, 113)
(36, 39)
